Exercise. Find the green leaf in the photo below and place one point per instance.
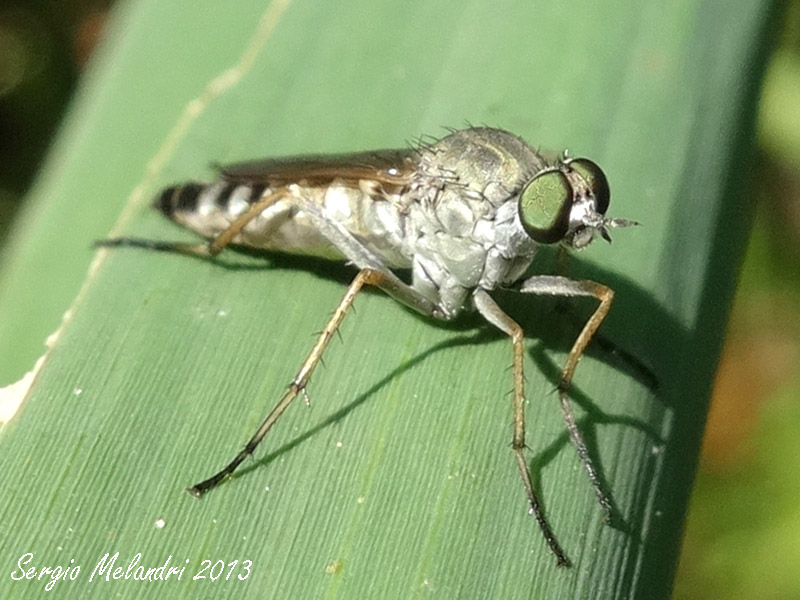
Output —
(399, 481)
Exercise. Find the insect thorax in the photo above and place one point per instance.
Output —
(455, 225)
(466, 231)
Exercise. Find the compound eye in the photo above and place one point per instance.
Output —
(544, 207)
(594, 177)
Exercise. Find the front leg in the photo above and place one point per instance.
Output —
(553, 285)
(495, 315)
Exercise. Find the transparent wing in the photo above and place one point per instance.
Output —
(389, 167)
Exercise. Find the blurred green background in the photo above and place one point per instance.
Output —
(742, 537)
(743, 532)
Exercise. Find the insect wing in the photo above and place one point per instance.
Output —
(387, 167)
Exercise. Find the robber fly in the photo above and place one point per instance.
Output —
(464, 214)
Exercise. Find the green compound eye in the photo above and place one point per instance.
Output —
(595, 179)
(544, 207)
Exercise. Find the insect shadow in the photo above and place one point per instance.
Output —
(475, 339)
(553, 323)
(653, 339)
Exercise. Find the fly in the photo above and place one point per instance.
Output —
(465, 215)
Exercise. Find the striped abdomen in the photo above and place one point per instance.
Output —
(210, 208)
(207, 199)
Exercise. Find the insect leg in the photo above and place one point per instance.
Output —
(494, 314)
(381, 279)
(225, 237)
(563, 286)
